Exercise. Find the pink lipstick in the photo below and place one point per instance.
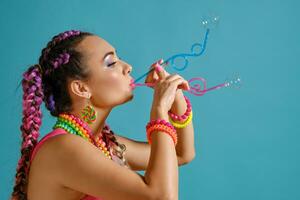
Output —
(132, 84)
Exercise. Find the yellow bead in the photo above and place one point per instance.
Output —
(183, 124)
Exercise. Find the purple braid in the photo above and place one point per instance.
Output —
(60, 37)
(51, 103)
(48, 82)
(31, 122)
(61, 59)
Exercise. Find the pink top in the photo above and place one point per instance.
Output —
(53, 133)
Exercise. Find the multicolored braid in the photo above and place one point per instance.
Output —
(62, 59)
(51, 88)
(32, 114)
(33, 96)
(57, 39)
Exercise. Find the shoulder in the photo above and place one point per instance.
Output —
(60, 145)
(54, 151)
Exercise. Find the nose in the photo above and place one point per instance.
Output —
(127, 68)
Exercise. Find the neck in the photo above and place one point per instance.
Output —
(96, 126)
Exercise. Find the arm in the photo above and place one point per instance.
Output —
(79, 165)
(138, 152)
(185, 147)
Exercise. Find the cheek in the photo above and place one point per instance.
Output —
(112, 80)
(108, 88)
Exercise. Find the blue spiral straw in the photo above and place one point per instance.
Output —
(171, 60)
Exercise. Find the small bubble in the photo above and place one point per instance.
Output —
(234, 82)
(210, 21)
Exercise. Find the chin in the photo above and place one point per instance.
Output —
(130, 97)
(126, 99)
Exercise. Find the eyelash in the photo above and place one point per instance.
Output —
(111, 64)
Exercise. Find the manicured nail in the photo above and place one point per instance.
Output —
(161, 61)
(158, 68)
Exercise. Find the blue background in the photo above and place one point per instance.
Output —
(247, 140)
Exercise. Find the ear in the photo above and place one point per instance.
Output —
(80, 88)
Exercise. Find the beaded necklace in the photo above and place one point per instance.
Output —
(76, 126)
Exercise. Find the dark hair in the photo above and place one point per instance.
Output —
(41, 82)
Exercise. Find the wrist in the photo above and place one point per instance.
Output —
(158, 113)
(160, 125)
(179, 103)
(181, 121)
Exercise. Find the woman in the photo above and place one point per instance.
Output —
(81, 79)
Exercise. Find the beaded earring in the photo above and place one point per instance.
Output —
(88, 114)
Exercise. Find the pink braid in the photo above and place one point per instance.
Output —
(31, 122)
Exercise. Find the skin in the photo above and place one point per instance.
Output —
(74, 165)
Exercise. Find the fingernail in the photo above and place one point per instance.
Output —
(158, 68)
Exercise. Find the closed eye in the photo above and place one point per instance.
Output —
(111, 64)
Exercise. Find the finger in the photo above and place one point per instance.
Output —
(152, 76)
(174, 85)
(155, 76)
(159, 62)
(183, 84)
(173, 77)
(160, 71)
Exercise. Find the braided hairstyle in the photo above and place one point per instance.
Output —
(47, 81)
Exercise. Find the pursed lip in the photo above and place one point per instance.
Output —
(132, 85)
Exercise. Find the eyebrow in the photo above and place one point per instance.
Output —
(109, 53)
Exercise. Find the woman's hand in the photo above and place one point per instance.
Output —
(153, 77)
(165, 89)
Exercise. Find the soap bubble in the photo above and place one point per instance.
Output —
(210, 21)
(233, 82)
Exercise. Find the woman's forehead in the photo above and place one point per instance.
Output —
(94, 46)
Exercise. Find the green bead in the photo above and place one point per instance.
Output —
(69, 127)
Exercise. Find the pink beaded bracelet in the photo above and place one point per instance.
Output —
(183, 117)
(163, 126)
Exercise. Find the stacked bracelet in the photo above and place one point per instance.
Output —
(182, 124)
(163, 126)
(183, 120)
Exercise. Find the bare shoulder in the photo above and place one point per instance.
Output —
(77, 164)
(52, 154)
(45, 172)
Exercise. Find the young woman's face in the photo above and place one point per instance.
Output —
(110, 78)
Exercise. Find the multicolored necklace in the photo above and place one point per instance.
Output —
(76, 126)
